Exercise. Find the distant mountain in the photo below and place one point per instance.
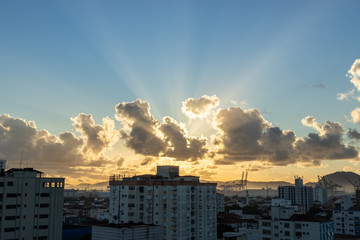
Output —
(97, 186)
(344, 179)
(256, 185)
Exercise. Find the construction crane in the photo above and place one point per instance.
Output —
(245, 184)
(329, 185)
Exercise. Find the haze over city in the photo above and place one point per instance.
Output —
(91, 89)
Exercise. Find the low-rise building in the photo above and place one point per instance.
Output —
(127, 232)
(284, 225)
(347, 222)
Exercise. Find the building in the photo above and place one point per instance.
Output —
(286, 225)
(346, 201)
(320, 194)
(220, 202)
(127, 232)
(184, 207)
(2, 165)
(298, 194)
(347, 222)
(31, 205)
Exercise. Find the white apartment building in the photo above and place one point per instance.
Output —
(31, 205)
(298, 194)
(184, 207)
(320, 194)
(347, 222)
(284, 225)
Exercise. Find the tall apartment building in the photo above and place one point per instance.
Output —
(320, 194)
(31, 205)
(298, 194)
(184, 207)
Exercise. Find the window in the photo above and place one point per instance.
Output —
(10, 206)
(9, 230)
(43, 227)
(10, 183)
(44, 205)
(1, 184)
(44, 216)
(45, 195)
(11, 195)
(10, 217)
(266, 224)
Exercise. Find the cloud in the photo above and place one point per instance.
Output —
(97, 137)
(143, 137)
(244, 135)
(239, 132)
(56, 155)
(355, 115)
(121, 162)
(199, 107)
(315, 85)
(326, 145)
(327, 128)
(346, 96)
(354, 74)
(149, 137)
(147, 161)
(353, 134)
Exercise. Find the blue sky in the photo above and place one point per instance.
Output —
(286, 58)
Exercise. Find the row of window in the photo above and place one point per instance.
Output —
(14, 195)
(53, 184)
(14, 206)
(13, 229)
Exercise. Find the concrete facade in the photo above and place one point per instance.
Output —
(31, 205)
(184, 207)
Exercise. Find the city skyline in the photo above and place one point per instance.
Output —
(91, 90)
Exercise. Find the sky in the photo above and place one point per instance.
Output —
(95, 88)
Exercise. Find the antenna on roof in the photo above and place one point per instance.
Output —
(21, 157)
